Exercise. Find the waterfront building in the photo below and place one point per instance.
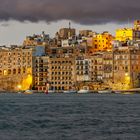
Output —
(40, 72)
(15, 68)
(82, 65)
(71, 61)
(126, 67)
(108, 67)
(61, 73)
(97, 67)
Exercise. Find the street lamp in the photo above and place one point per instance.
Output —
(19, 87)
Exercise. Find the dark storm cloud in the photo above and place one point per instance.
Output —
(80, 11)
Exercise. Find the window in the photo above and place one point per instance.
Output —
(19, 71)
(0, 72)
(9, 71)
(14, 71)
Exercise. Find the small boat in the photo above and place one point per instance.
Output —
(70, 91)
(123, 92)
(104, 91)
(51, 91)
(28, 92)
(117, 92)
(84, 91)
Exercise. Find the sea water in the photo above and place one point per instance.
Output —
(69, 117)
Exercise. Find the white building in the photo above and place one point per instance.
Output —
(82, 69)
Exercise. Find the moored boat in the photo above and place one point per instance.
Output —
(51, 91)
(28, 92)
(104, 91)
(70, 91)
(84, 91)
(117, 92)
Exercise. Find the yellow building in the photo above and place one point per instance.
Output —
(129, 33)
(124, 34)
(102, 42)
(29, 41)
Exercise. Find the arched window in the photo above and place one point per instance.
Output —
(24, 69)
(9, 71)
(0, 72)
(14, 71)
(19, 71)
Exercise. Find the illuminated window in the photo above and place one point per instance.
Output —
(5, 72)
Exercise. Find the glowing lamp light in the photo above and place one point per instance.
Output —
(19, 86)
(27, 82)
(126, 74)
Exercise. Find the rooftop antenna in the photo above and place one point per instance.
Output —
(69, 25)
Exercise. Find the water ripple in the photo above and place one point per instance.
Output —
(69, 117)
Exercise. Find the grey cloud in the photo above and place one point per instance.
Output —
(80, 11)
(5, 24)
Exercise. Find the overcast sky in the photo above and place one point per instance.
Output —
(19, 18)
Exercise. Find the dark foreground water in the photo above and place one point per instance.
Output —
(69, 117)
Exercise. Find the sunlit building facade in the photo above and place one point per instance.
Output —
(65, 33)
(126, 70)
(40, 73)
(97, 67)
(86, 33)
(126, 34)
(108, 66)
(42, 39)
(82, 65)
(15, 68)
(61, 73)
(102, 42)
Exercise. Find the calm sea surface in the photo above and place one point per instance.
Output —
(69, 117)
